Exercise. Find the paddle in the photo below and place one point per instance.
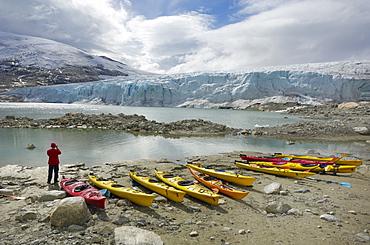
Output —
(18, 198)
(328, 181)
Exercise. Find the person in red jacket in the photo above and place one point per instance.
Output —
(53, 162)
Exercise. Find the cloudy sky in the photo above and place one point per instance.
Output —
(172, 36)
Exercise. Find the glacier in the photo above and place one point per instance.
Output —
(305, 84)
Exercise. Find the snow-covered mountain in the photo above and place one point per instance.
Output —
(306, 84)
(48, 54)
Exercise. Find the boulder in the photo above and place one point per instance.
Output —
(273, 188)
(362, 130)
(129, 235)
(70, 211)
(348, 105)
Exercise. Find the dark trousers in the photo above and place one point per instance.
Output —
(55, 169)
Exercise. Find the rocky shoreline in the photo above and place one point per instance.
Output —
(333, 122)
(348, 121)
(276, 211)
(128, 123)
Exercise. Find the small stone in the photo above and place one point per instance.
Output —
(242, 232)
(352, 212)
(25, 226)
(363, 236)
(302, 190)
(294, 211)
(284, 193)
(328, 217)
(194, 208)
(194, 234)
(322, 201)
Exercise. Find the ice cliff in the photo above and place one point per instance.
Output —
(310, 84)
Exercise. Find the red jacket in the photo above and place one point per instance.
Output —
(53, 156)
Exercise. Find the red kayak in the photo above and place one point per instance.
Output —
(81, 189)
(274, 159)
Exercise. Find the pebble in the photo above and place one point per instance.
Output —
(363, 236)
(194, 234)
(328, 217)
(322, 201)
(302, 190)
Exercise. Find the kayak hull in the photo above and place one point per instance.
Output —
(134, 196)
(224, 175)
(222, 187)
(189, 187)
(159, 187)
(354, 162)
(274, 170)
(318, 168)
(78, 188)
(276, 159)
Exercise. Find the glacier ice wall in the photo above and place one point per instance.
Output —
(216, 89)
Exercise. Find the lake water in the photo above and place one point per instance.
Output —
(95, 147)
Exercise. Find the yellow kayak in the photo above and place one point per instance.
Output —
(354, 162)
(218, 185)
(307, 166)
(274, 170)
(224, 175)
(189, 187)
(134, 196)
(159, 187)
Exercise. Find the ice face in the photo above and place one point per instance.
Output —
(215, 89)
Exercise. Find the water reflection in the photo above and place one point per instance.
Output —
(95, 147)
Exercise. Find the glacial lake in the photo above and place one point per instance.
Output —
(96, 147)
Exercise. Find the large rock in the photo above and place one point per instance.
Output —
(348, 105)
(362, 130)
(129, 235)
(273, 188)
(71, 211)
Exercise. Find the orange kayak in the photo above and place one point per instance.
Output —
(218, 185)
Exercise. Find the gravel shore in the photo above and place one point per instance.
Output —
(332, 214)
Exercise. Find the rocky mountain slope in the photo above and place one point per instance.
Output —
(29, 61)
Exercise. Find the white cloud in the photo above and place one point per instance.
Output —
(272, 33)
(298, 32)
